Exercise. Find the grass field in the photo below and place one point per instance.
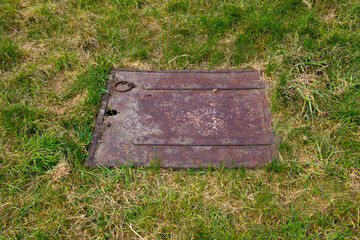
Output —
(54, 61)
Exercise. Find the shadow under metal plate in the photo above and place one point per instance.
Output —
(183, 119)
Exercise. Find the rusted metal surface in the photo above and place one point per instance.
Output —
(183, 119)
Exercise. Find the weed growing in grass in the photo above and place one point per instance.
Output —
(54, 61)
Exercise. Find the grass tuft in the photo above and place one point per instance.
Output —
(10, 54)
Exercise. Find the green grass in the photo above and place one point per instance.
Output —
(9, 54)
(54, 61)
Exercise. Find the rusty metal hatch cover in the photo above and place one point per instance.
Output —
(183, 119)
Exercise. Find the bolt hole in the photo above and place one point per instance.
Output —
(181, 140)
(138, 139)
(111, 112)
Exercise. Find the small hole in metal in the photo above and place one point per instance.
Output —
(111, 112)
(181, 140)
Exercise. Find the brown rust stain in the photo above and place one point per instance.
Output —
(178, 119)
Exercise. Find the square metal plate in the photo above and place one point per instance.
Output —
(183, 119)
